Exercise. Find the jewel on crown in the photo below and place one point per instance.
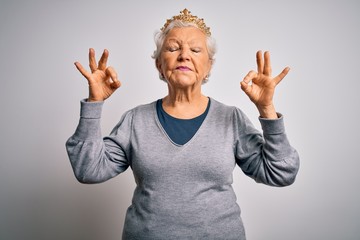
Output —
(185, 16)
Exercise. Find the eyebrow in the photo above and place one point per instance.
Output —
(179, 41)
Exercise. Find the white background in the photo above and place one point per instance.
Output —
(40, 90)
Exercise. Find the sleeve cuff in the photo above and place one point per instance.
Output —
(89, 124)
(91, 110)
(273, 126)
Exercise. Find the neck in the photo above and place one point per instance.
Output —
(185, 103)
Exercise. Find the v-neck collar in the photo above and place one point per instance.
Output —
(167, 137)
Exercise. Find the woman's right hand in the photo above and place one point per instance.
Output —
(102, 80)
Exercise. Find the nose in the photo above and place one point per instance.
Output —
(184, 54)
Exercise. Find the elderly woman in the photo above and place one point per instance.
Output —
(183, 148)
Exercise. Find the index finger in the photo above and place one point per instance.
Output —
(110, 71)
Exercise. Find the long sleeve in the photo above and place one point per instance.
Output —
(267, 158)
(95, 159)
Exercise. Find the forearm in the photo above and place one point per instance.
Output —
(281, 160)
(87, 151)
(270, 159)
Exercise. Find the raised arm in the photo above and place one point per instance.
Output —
(268, 158)
(93, 158)
(260, 86)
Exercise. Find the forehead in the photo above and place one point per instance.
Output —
(186, 35)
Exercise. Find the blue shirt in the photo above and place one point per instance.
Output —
(180, 131)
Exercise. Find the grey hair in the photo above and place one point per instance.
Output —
(159, 38)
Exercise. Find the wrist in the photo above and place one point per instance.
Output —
(92, 99)
(267, 111)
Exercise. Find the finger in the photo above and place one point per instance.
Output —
(92, 61)
(245, 87)
(250, 76)
(281, 76)
(115, 85)
(110, 71)
(82, 70)
(114, 82)
(259, 61)
(103, 60)
(267, 65)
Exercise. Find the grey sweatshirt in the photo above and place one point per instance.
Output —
(182, 192)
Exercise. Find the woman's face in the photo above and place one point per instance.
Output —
(184, 59)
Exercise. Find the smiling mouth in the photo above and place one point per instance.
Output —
(183, 68)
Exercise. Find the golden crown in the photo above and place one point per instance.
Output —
(185, 16)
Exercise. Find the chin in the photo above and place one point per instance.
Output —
(184, 81)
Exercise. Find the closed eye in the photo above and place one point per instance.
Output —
(196, 50)
(173, 49)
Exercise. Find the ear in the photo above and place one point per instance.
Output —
(211, 63)
(158, 65)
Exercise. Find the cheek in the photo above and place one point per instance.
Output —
(165, 63)
(209, 64)
(204, 65)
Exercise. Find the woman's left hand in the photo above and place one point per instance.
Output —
(260, 86)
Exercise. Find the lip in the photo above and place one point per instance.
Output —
(183, 68)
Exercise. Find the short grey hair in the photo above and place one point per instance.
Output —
(159, 38)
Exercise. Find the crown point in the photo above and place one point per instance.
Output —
(185, 16)
(185, 11)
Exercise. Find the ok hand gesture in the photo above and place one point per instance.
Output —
(102, 80)
(262, 87)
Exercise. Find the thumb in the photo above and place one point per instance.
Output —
(245, 87)
(115, 84)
